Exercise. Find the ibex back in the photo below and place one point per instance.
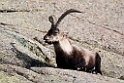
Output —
(69, 56)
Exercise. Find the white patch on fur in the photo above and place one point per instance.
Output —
(66, 46)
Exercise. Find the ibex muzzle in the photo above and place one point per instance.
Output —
(69, 56)
(52, 36)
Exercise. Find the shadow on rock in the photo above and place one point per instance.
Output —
(27, 61)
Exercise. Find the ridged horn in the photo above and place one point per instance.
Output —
(65, 14)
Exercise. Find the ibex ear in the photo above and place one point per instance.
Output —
(51, 19)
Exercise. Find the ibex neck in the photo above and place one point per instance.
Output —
(64, 46)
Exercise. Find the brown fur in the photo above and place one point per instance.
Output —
(69, 56)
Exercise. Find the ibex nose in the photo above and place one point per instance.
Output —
(46, 37)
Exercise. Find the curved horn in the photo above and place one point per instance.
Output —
(65, 14)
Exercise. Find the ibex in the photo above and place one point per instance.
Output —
(69, 56)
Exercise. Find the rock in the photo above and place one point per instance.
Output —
(74, 76)
(6, 77)
(28, 74)
(23, 51)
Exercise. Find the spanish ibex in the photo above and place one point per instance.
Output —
(69, 56)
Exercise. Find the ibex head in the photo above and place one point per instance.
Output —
(54, 35)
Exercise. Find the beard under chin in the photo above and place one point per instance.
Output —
(51, 42)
